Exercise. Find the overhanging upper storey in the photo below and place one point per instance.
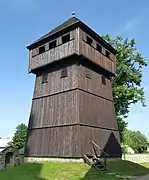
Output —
(72, 37)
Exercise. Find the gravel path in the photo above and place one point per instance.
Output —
(143, 178)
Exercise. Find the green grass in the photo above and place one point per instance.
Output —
(145, 164)
(128, 168)
(71, 171)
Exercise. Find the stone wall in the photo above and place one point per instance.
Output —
(136, 158)
(33, 159)
(2, 163)
(9, 157)
(17, 161)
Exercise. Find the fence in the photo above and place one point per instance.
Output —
(136, 158)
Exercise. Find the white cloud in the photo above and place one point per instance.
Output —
(20, 5)
(133, 22)
(136, 20)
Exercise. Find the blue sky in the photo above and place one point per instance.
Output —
(23, 21)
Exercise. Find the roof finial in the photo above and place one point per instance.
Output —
(73, 14)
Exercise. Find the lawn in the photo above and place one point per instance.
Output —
(71, 171)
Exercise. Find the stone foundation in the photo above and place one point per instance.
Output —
(2, 163)
(79, 160)
(38, 159)
(136, 158)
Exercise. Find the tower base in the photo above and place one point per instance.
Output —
(41, 159)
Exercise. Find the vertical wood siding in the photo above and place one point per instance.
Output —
(57, 53)
(104, 138)
(81, 110)
(92, 54)
(56, 84)
(55, 110)
(68, 113)
(96, 111)
(52, 55)
(53, 142)
(71, 141)
(76, 45)
(94, 83)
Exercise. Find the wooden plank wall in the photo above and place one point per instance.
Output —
(93, 83)
(54, 114)
(61, 104)
(104, 138)
(95, 56)
(71, 141)
(55, 84)
(57, 53)
(96, 106)
(54, 54)
(56, 110)
(76, 45)
(96, 111)
(53, 142)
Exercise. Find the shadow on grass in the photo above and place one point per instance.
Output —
(94, 174)
(119, 167)
(30, 171)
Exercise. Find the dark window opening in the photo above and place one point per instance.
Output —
(103, 80)
(89, 40)
(44, 78)
(52, 44)
(88, 83)
(8, 157)
(41, 49)
(87, 74)
(107, 54)
(66, 38)
(64, 72)
(34, 52)
(99, 48)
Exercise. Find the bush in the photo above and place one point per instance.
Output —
(136, 140)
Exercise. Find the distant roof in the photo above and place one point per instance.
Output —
(68, 23)
(8, 149)
(1, 149)
(21, 151)
(4, 142)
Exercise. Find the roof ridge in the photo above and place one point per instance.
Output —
(67, 23)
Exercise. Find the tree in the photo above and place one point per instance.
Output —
(136, 140)
(19, 138)
(126, 85)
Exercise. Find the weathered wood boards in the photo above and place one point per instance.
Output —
(76, 44)
(72, 103)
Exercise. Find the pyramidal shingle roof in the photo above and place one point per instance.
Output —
(70, 22)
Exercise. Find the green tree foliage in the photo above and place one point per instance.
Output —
(136, 140)
(19, 138)
(126, 84)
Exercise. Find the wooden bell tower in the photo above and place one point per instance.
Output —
(72, 102)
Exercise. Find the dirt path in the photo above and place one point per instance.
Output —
(143, 178)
